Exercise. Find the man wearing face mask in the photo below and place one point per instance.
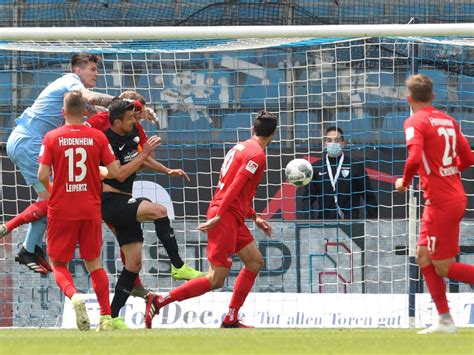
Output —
(340, 184)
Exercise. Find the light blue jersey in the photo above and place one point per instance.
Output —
(24, 143)
(44, 115)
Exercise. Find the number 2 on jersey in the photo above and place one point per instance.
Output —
(226, 164)
(229, 158)
(71, 155)
(449, 147)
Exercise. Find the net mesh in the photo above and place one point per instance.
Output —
(206, 94)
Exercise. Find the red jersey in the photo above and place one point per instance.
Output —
(436, 148)
(74, 152)
(101, 122)
(240, 175)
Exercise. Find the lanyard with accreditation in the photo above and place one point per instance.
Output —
(333, 179)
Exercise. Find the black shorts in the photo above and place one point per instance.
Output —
(120, 211)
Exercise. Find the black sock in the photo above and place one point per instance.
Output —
(165, 234)
(123, 288)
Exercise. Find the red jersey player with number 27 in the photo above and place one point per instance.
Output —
(74, 152)
(438, 151)
(227, 233)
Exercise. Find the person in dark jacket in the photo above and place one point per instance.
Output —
(340, 188)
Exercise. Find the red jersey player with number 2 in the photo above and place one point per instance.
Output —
(74, 152)
(438, 151)
(227, 233)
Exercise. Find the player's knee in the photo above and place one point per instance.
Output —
(419, 259)
(216, 281)
(159, 211)
(134, 265)
(441, 270)
(255, 265)
(216, 284)
(93, 265)
(422, 258)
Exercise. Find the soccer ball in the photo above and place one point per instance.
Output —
(299, 172)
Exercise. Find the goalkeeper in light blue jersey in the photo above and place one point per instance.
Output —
(23, 145)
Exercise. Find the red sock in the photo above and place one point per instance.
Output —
(461, 272)
(32, 213)
(64, 280)
(243, 285)
(437, 288)
(138, 281)
(193, 288)
(100, 283)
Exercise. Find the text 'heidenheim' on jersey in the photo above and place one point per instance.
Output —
(75, 141)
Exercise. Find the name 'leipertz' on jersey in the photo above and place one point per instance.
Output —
(437, 137)
(246, 160)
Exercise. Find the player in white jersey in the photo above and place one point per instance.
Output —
(23, 145)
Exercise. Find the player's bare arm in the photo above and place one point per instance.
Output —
(149, 114)
(178, 172)
(110, 171)
(399, 185)
(43, 176)
(152, 143)
(104, 173)
(128, 169)
(209, 224)
(412, 164)
(464, 156)
(154, 165)
(95, 98)
(94, 109)
(263, 225)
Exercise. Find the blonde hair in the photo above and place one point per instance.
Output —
(132, 95)
(420, 88)
(74, 103)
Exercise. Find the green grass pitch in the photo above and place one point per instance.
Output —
(234, 341)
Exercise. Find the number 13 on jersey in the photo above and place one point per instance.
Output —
(76, 159)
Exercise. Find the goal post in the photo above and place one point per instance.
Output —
(206, 85)
(232, 32)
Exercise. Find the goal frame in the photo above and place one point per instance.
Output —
(233, 32)
(244, 32)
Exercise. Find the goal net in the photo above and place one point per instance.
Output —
(336, 273)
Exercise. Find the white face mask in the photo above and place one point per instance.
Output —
(333, 149)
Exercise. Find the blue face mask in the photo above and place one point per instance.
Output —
(333, 149)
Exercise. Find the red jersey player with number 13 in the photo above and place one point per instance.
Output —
(438, 151)
(74, 152)
(227, 233)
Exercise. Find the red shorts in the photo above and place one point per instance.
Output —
(439, 229)
(226, 238)
(63, 236)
